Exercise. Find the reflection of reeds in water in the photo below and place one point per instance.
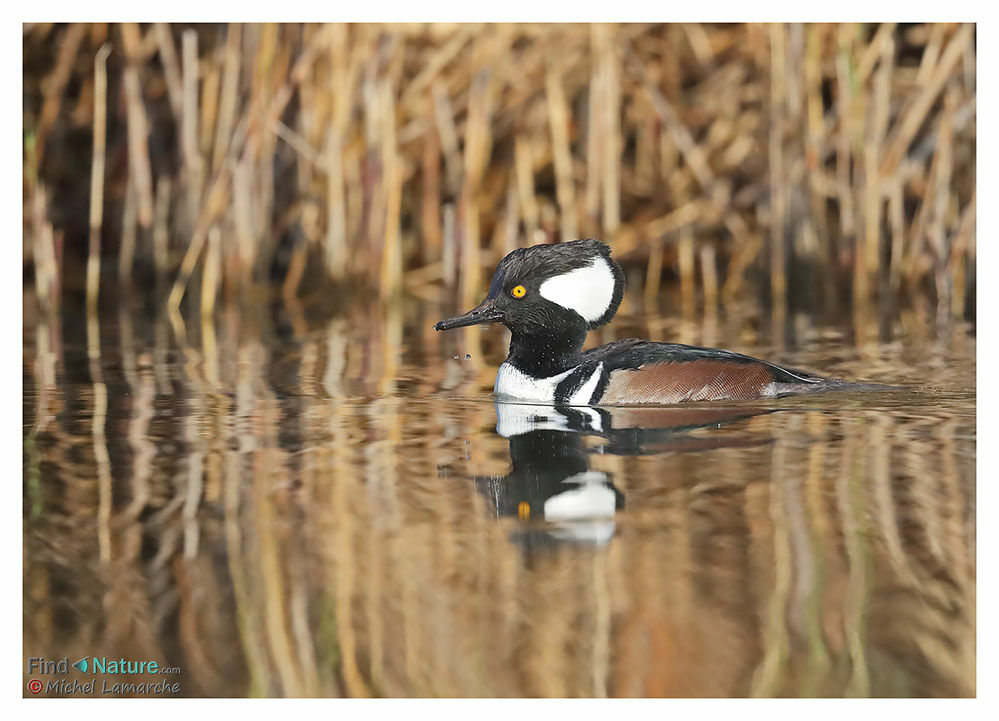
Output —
(244, 510)
(816, 157)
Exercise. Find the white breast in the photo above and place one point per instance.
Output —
(512, 383)
(515, 384)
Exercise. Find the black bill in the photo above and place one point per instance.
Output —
(484, 312)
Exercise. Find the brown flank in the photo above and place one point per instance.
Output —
(699, 380)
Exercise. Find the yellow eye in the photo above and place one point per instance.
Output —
(519, 292)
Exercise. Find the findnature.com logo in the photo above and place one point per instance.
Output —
(96, 667)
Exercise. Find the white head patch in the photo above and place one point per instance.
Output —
(588, 290)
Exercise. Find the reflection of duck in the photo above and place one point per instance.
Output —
(551, 479)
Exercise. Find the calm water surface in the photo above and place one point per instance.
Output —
(286, 505)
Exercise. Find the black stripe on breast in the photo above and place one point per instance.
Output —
(569, 385)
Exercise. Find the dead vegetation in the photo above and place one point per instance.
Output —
(831, 164)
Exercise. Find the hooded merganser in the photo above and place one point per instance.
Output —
(550, 296)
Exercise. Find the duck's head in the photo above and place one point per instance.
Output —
(573, 286)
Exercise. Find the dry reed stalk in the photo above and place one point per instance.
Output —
(645, 172)
(430, 216)
(817, 220)
(262, 148)
(896, 222)
(874, 53)
(444, 117)
(778, 181)
(558, 116)
(915, 261)
(749, 244)
(594, 141)
(336, 226)
(449, 249)
(97, 177)
(336, 201)
(293, 278)
(962, 250)
(209, 106)
(299, 144)
(248, 132)
(631, 238)
(214, 205)
(914, 113)
(931, 55)
(211, 278)
(241, 204)
(161, 231)
(718, 196)
(44, 255)
(524, 172)
(229, 95)
(391, 270)
(681, 137)
(138, 125)
(192, 167)
(438, 60)
(313, 115)
(374, 192)
(709, 275)
(610, 124)
(55, 84)
(847, 116)
(171, 69)
(940, 198)
(685, 263)
(129, 223)
(477, 147)
(876, 128)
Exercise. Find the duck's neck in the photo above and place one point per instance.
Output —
(542, 355)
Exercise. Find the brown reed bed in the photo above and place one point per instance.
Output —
(821, 165)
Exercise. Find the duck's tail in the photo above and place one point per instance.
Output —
(827, 385)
